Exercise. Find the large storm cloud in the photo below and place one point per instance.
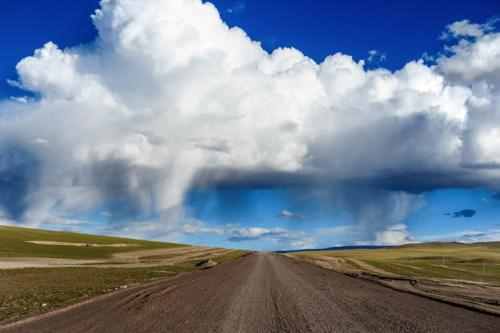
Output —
(169, 98)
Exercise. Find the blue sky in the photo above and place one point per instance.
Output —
(276, 216)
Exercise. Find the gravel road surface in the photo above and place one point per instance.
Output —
(261, 293)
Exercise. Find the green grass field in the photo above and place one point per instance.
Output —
(473, 262)
(14, 243)
(31, 291)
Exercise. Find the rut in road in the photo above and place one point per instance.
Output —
(262, 293)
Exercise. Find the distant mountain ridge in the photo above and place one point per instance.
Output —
(377, 247)
(339, 248)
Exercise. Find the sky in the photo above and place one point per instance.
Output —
(252, 124)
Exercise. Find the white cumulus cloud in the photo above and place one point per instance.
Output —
(169, 98)
(394, 235)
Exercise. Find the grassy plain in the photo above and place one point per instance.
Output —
(471, 262)
(15, 242)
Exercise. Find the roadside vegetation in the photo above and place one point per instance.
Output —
(30, 291)
(471, 262)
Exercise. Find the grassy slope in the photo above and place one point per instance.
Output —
(13, 243)
(474, 262)
(25, 292)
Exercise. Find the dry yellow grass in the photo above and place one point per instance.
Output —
(474, 262)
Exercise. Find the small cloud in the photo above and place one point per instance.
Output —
(428, 58)
(479, 236)
(41, 141)
(21, 100)
(255, 233)
(466, 28)
(15, 84)
(286, 214)
(466, 213)
(237, 8)
(376, 56)
(300, 244)
(468, 236)
(61, 221)
(282, 238)
(198, 227)
(394, 235)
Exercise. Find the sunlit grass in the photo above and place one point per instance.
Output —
(14, 243)
(476, 262)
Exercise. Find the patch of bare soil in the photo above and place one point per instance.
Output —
(17, 263)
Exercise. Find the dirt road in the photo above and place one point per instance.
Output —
(262, 293)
